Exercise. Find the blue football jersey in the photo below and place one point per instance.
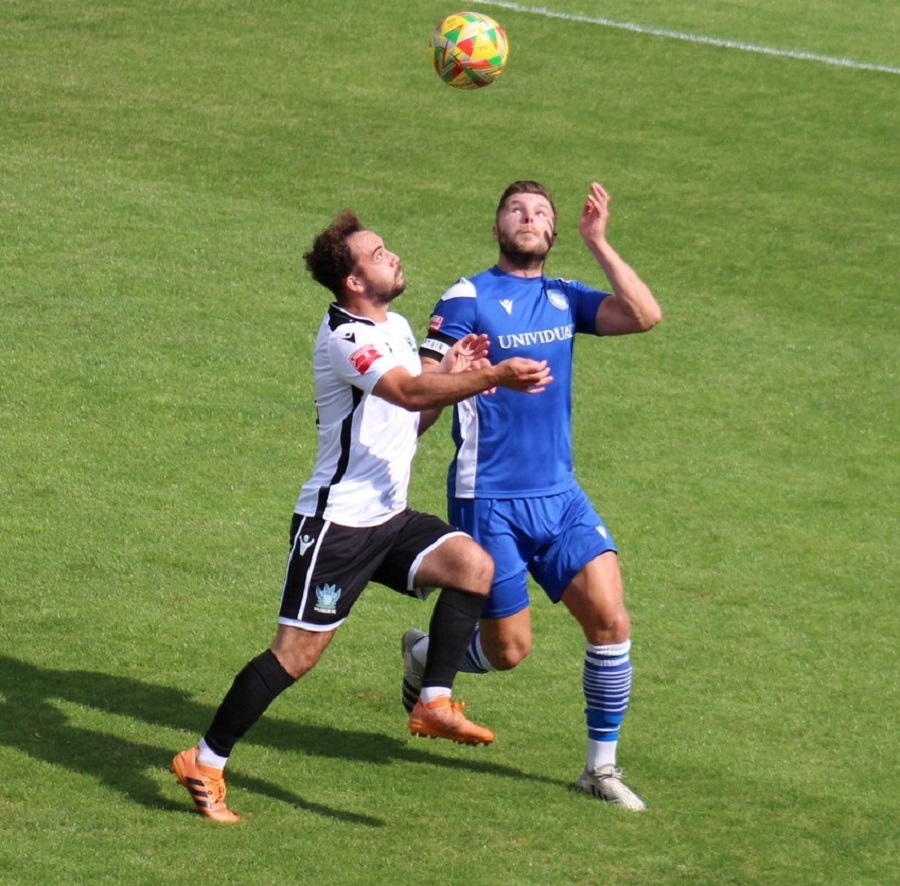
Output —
(511, 444)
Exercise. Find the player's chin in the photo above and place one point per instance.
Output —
(535, 244)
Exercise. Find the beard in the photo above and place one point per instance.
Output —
(387, 293)
(525, 258)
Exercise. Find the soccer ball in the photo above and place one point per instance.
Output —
(470, 50)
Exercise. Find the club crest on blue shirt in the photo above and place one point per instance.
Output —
(327, 597)
(558, 299)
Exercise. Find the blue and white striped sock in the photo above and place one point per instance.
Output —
(475, 661)
(607, 691)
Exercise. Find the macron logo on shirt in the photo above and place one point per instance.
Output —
(507, 305)
(362, 358)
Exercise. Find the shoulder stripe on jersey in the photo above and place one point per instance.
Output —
(337, 316)
(462, 288)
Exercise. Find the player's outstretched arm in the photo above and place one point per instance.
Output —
(632, 307)
(437, 389)
(470, 352)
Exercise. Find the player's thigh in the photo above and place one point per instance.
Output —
(457, 562)
(596, 598)
(328, 568)
(427, 552)
(573, 536)
(494, 524)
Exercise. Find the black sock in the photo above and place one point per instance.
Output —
(452, 625)
(261, 681)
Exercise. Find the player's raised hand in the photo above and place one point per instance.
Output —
(595, 215)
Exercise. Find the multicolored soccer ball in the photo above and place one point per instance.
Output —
(470, 50)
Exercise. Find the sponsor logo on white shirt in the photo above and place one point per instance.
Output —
(362, 358)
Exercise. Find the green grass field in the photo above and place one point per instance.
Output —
(163, 166)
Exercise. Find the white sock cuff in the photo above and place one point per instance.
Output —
(430, 693)
(206, 756)
(610, 651)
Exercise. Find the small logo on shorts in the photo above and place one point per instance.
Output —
(303, 543)
(602, 531)
(327, 597)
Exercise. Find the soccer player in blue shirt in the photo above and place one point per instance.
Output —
(511, 483)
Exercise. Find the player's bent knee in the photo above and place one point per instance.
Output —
(476, 569)
(510, 658)
(485, 569)
(511, 653)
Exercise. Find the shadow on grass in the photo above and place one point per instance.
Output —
(31, 722)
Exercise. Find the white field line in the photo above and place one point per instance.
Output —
(690, 38)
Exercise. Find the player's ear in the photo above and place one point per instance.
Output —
(354, 284)
(494, 233)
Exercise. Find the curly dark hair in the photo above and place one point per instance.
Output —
(330, 261)
(525, 187)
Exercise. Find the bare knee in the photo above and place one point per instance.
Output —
(460, 562)
(606, 627)
(482, 570)
(510, 654)
(618, 630)
(597, 600)
(507, 641)
(298, 650)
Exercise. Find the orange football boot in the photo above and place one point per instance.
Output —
(205, 785)
(444, 718)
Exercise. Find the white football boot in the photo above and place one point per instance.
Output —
(606, 783)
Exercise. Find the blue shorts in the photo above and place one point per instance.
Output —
(553, 538)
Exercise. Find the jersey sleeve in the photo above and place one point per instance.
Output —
(453, 318)
(360, 355)
(585, 301)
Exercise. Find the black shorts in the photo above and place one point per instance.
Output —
(330, 565)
